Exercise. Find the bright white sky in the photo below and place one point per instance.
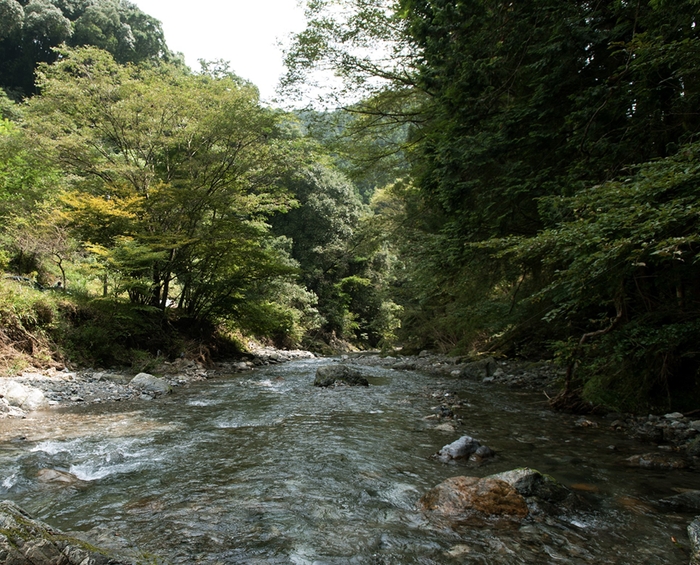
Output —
(244, 32)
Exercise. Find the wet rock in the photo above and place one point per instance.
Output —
(329, 375)
(463, 448)
(53, 476)
(585, 423)
(656, 461)
(150, 384)
(694, 536)
(479, 370)
(404, 366)
(688, 501)
(530, 482)
(693, 448)
(117, 378)
(22, 396)
(26, 541)
(473, 501)
(482, 452)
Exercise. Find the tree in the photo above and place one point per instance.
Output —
(30, 30)
(360, 43)
(320, 228)
(173, 175)
(622, 285)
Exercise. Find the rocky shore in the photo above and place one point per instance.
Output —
(35, 390)
(673, 438)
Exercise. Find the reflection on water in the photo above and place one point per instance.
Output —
(269, 469)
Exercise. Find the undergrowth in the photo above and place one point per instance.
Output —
(51, 328)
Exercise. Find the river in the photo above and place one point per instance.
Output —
(264, 468)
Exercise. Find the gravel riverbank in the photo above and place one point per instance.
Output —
(33, 390)
(674, 438)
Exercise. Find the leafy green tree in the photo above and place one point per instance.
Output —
(172, 174)
(30, 30)
(622, 285)
(529, 100)
(319, 228)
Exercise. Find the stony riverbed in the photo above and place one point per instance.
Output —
(264, 467)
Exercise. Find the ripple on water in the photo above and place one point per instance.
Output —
(269, 469)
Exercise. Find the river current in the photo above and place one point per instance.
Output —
(264, 468)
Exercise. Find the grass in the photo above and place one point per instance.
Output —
(52, 328)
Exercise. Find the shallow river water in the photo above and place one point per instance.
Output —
(264, 468)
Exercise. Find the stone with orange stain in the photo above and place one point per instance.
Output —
(473, 501)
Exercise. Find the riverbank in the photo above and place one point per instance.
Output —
(266, 467)
(674, 438)
(39, 389)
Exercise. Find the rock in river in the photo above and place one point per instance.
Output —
(694, 535)
(149, 383)
(53, 476)
(687, 501)
(329, 375)
(464, 448)
(656, 461)
(530, 482)
(473, 501)
(25, 541)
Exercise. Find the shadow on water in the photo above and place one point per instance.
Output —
(265, 468)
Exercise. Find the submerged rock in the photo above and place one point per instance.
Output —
(656, 461)
(329, 375)
(473, 501)
(26, 541)
(688, 501)
(529, 482)
(479, 370)
(149, 383)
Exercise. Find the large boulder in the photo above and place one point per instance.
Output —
(149, 383)
(22, 396)
(329, 375)
(478, 370)
(465, 447)
(473, 501)
(26, 541)
(529, 482)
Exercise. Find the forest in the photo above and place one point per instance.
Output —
(483, 178)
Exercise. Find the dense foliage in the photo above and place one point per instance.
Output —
(519, 178)
(30, 29)
(527, 223)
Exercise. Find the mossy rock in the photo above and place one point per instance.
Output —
(26, 541)
(330, 375)
(530, 482)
